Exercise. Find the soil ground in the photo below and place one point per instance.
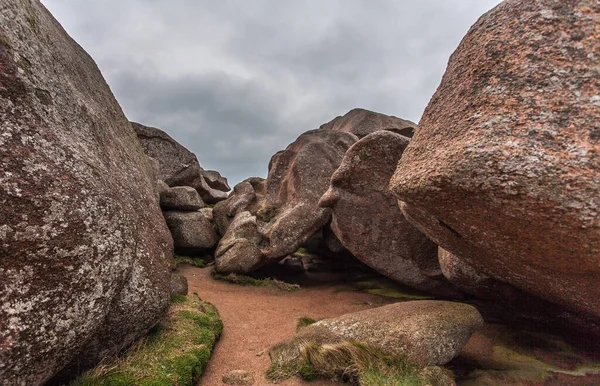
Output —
(257, 318)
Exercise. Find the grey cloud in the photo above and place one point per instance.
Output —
(235, 81)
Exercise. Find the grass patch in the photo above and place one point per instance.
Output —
(388, 288)
(302, 252)
(304, 321)
(348, 361)
(194, 261)
(175, 352)
(247, 280)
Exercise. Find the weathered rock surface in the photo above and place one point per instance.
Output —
(182, 198)
(240, 249)
(84, 251)
(368, 221)
(427, 332)
(192, 232)
(208, 214)
(179, 285)
(504, 171)
(284, 207)
(362, 122)
(179, 166)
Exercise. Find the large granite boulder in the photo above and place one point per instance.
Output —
(297, 179)
(179, 166)
(192, 232)
(504, 171)
(427, 332)
(85, 254)
(284, 207)
(368, 221)
(362, 122)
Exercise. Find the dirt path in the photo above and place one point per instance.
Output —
(256, 318)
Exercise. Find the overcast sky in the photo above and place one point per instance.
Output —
(237, 80)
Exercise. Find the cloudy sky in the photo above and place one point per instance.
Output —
(237, 80)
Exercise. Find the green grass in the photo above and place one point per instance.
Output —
(304, 321)
(348, 361)
(175, 352)
(194, 261)
(302, 252)
(388, 288)
(247, 280)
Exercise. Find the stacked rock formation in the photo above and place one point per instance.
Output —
(179, 166)
(266, 220)
(192, 231)
(184, 188)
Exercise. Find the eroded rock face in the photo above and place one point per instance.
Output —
(368, 221)
(427, 332)
(85, 253)
(506, 160)
(192, 232)
(362, 122)
(179, 166)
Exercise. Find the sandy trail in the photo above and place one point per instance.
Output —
(256, 318)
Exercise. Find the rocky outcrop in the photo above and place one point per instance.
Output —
(85, 253)
(179, 166)
(192, 232)
(368, 221)
(426, 332)
(284, 207)
(246, 196)
(183, 198)
(504, 171)
(362, 122)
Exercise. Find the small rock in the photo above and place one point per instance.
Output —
(179, 284)
(191, 231)
(182, 198)
(215, 180)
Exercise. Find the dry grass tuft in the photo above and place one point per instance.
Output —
(247, 280)
(348, 361)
